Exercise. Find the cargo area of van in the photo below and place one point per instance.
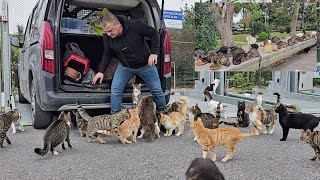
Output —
(80, 28)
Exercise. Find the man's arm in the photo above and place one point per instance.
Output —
(107, 54)
(148, 31)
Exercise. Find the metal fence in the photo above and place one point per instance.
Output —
(183, 64)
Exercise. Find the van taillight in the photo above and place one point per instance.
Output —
(48, 61)
(167, 54)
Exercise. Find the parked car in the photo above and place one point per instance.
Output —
(53, 24)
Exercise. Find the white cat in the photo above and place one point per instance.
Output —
(213, 108)
(259, 100)
(216, 82)
(136, 93)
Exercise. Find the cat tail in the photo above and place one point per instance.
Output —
(251, 133)
(82, 113)
(149, 131)
(43, 151)
(221, 122)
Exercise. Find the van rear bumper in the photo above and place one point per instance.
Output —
(67, 101)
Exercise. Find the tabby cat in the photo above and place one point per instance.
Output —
(282, 44)
(56, 134)
(209, 121)
(252, 53)
(6, 120)
(223, 59)
(312, 138)
(17, 124)
(136, 93)
(275, 40)
(129, 128)
(242, 117)
(104, 122)
(211, 138)
(293, 40)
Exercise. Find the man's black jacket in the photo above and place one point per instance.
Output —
(130, 47)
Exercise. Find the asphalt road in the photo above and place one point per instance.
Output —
(261, 157)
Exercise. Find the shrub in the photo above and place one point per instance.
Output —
(263, 36)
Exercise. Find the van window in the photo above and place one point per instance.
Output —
(37, 20)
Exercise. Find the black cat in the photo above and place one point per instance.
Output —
(242, 117)
(294, 120)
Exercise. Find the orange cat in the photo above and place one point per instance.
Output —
(171, 121)
(268, 48)
(254, 116)
(129, 127)
(210, 138)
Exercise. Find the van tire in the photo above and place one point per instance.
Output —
(21, 97)
(40, 119)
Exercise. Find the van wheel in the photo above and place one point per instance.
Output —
(21, 97)
(40, 119)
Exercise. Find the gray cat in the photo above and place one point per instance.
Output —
(56, 134)
(136, 93)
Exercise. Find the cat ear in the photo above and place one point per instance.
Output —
(68, 114)
(61, 115)
(308, 131)
(139, 85)
(197, 104)
(132, 85)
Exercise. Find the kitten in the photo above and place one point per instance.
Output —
(294, 120)
(203, 169)
(6, 120)
(312, 138)
(211, 138)
(148, 119)
(129, 128)
(258, 100)
(104, 122)
(242, 117)
(209, 121)
(268, 48)
(136, 93)
(56, 134)
(254, 116)
(17, 124)
(171, 121)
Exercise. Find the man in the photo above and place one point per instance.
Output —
(125, 38)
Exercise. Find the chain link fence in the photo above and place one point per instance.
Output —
(183, 64)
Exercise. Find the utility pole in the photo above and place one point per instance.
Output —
(5, 52)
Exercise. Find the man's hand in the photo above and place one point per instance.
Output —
(98, 76)
(152, 59)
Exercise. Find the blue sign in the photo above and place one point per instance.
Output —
(173, 19)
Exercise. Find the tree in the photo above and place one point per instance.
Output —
(224, 15)
(293, 25)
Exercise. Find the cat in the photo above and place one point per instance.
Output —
(171, 121)
(104, 122)
(250, 39)
(258, 100)
(6, 120)
(213, 105)
(268, 119)
(17, 124)
(209, 121)
(129, 128)
(223, 59)
(252, 53)
(198, 54)
(268, 48)
(293, 40)
(294, 120)
(136, 93)
(255, 116)
(242, 117)
(238, 55)
(266, 42)
(282, 44)
(216, 82)
(56, 134)
(206, 94)
(148, 118)
(211, 138)
(180, 106)
(203, 169)
(312, 138)
(275, 40)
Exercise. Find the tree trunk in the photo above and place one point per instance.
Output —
(224, 16)
(293, 25)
